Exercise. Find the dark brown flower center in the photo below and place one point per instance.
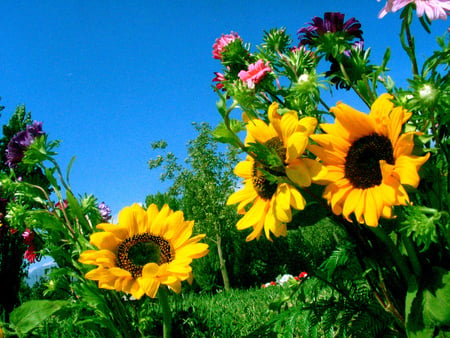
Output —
(362, 164)
(134, 252)
(264, 187)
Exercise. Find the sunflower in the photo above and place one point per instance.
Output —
(368, 159)
(270, 200)
(145, 249)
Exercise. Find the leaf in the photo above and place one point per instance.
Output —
(69, 168)
(428, 305)
(437, 297)
(32, 313)
(224, 135)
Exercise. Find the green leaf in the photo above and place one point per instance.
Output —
(32, 313)
(69, 168)
(224, 135)
(437, 297)
(428, 304)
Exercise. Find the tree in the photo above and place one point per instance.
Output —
(201, 188)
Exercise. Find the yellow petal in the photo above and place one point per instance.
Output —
(282, 204)
(254, 215)
(121, 232)
(353, 120)
(296, 145)
(307, 125)
(260, 131)
(105, 240)
(297, 200)
(275, 118)
(289, 123)
(299, 173)
(407, 168)
(244, 169)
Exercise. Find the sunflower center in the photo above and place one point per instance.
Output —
(263, 186)
(134, 252)
(362, 164)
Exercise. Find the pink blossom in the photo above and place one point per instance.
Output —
(28, 237)
(222, 42)
(255, 73)
(433, 9)
(219, 79)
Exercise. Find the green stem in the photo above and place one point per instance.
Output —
(395, 253)
(412, 254)
(412, 52)
(347, 78)
(167, 317)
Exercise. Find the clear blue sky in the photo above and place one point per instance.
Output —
(109, 77)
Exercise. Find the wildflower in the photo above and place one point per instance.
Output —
(222, 42)
(15, 150)
(433, 9)
(28, 236)
(256, 71)
(30, 254)
(331, 30)
(105, 212)
(271, 201)
(368, 160)
(219, 79)
(303, 274)
(145, 249)
(61, 206)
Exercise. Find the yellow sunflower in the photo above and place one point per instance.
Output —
(368, 160)
(145, 249)
(271, 202)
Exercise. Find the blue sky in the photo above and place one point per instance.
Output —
(109, 77)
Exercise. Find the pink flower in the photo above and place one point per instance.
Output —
(433, 9)
(219, 79)
(255, 73)
(222, 42)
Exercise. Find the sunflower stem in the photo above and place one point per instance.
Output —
(399, 260)
(167, 316)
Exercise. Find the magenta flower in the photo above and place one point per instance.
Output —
(15, 150)
(333, 22)
(222, 42)
(61, 206)
(219, 79)
(255, 73)
(28, 237)
(433, 9)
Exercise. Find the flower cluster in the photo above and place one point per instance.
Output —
(381, 174)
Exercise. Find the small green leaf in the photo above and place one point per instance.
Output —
(32, 313)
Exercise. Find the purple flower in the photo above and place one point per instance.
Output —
(333, 22)
(15, 150)
(105, 212)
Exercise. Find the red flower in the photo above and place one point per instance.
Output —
(303, 274)
(30, 254)
(273, 283)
